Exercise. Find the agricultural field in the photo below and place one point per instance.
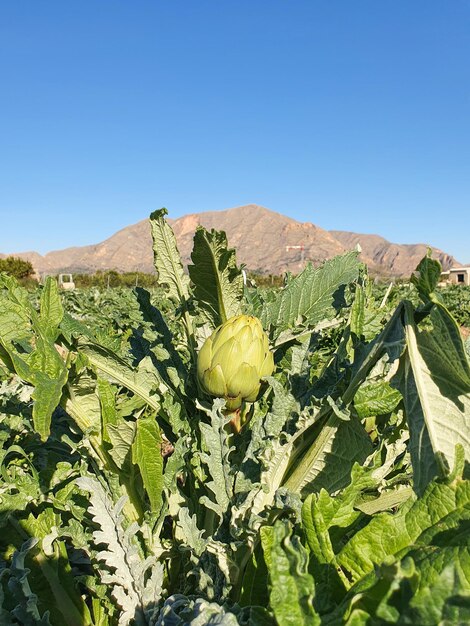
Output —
(309, 466)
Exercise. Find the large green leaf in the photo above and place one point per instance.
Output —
(167, 259)
(328, 462)
(171, 274)
(15, 311)
(51, 309)
(82, 403)
(255, 585)
(159, 334)
(442, 508)
(146, 453)
(46, 396)
(121, 437)
(27, 340)
(411, 591)
(426, 277)
(326, 520)
(218, 282)
(442, 595)
(292, 587)
(107, 396)
(443, 350)
(313, 295)
(365, 316)
(143, 382)
(435, 380)
(322, 512)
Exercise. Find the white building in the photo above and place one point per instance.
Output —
(456, 276)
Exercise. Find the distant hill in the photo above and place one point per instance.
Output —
(260, 236)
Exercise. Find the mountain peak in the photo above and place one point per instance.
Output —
(265, 241)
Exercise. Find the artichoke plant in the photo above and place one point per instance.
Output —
(233, 360)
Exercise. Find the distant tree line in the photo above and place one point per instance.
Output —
(112, 278)
(24, 271)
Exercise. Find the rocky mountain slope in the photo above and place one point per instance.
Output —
(260, 236)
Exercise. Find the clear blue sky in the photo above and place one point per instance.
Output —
(354, 115)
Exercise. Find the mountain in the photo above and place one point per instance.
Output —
(396, 259)
(261, 237)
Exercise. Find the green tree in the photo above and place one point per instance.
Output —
(14, 266)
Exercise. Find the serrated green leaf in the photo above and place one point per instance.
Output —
(284, 405)
(164, 339)
(426, 276)
(71, 327)
(214, 455)
(146, 453)
(189, 533)
(310, 297)
(365, 317)
(40, 365)
(167, 259)
(135, 582)
(46, 371)
(218, 282)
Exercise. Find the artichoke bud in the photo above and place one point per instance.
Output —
(233, 360)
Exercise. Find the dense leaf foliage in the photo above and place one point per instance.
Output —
(128, 497)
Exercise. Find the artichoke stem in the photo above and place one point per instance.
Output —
(239, 417)
(235, 423)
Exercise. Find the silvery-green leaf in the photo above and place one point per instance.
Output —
(214, 455)
(123, 568)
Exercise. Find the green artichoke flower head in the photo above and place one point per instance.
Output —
(233, 360)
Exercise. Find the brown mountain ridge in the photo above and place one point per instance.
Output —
(262, 239)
